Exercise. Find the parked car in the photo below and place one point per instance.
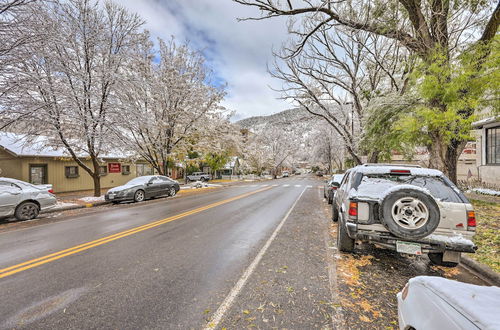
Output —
(143, 187)
(198, 176)
(319, 173)
(24, 200)
(331, 187)
(436, 303)
(286, 174)
(409, 209)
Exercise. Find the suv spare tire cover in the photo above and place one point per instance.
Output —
(409, 213)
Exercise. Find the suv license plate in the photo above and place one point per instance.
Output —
(408, 247)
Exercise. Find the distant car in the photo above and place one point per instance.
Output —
(319, 173)
(143, 187)
(435, 303)
(24, 200)
(331, 187)
(198, 176)
(286, 174)
(409, 209)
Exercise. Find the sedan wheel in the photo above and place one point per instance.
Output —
(139, 196)
(172, 192)
(27, 211)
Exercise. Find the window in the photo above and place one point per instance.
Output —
(125, 169)
(103, 170)
(493, 145)
(71, 171)
(144, 169)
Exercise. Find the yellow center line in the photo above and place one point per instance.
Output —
(82, 247)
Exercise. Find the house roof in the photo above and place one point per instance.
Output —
(486, 121)
(16, 145)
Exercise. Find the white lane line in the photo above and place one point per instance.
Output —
(286, 185)
(275, 185)
(309, 186)
(298, 185)
(264, 185)
(254, 185)
(228, 302)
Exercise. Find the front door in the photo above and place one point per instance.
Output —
(38, 173)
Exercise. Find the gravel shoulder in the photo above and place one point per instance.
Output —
(290, 288)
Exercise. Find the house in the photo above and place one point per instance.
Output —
(467, 162)
(488, 155)
(231, 168)
(38, 164)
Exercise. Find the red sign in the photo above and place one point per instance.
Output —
(114, 168)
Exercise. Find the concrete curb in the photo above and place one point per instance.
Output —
(74, 207)
(481, 269)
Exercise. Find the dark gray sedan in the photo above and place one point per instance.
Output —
(331, 187)
(143, 187)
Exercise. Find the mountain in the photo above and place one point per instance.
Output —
(302, 120)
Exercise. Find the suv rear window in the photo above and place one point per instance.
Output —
(436, 186)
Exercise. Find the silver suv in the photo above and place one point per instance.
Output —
(405, 208)
(198, 176)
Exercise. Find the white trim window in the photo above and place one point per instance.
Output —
(493, 146)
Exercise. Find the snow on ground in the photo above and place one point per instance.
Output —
(478, 303)
(63, 204)
(485, 191)
(90, 199)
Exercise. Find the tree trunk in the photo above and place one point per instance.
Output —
(444, 157)
(373, 157)
(96, 178)
(97, 184)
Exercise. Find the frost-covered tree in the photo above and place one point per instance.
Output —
(279, 147)
(455, 43)
(63, 87)
(328, 148)
(337, 74)
(168, 103)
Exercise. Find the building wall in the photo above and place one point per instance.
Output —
(10, 166)
(18, 168)
(489, 174)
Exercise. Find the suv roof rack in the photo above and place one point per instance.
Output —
(396, 165)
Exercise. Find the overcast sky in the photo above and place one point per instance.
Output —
(237, 52)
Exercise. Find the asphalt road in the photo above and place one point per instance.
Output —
(253, 255)
(163, 264)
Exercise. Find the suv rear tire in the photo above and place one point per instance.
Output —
(409, 213)
(335, 213)
(437, 259)
(344, 242)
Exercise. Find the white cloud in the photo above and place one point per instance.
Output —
(238, 52)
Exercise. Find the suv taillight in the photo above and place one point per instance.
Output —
(471, 220)
(353, 210)
(51, 191)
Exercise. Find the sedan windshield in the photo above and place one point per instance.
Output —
(139, 180)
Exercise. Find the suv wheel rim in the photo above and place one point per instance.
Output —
(410, 213)
(172, 191)
(139, 196)
(28, 211)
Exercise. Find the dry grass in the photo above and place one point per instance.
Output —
(487, 236)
